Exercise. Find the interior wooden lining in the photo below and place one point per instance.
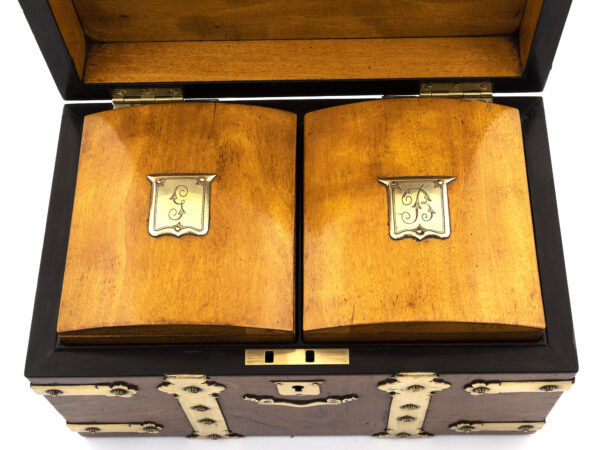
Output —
(70, 28)
(224, 40)
(302, 59)
(529, 23)
(183, 41)
(208, 20)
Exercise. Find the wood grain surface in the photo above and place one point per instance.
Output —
(328, 59)
(236, 283)
(113, 41)
(209, 20)
(359, 284)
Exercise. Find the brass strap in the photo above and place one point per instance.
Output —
(519, 427)
(411, 393)
(108, 390)
(510, 387)
(94, 428)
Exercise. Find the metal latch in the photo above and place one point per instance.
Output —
(481, 91)
(124, 97)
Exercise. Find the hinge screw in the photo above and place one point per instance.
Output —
(92, 430)
(151, 429)
(118, 391)
(54, 392)
(525, 428)
(410, 406)
(481, 389)
(467, 428)
(549, 388)
(415, 388)
(404, 434)
(206, 421)
(406, 419)
(214, 437)
(192, 389)
(200, 408)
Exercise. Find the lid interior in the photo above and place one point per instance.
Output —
(181, 41)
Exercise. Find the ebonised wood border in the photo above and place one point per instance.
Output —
(555, 353)
(545, 43)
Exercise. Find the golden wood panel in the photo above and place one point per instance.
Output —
(359, 284)
(236, 283)
(483, 57)
(68, 22)
(190, 20)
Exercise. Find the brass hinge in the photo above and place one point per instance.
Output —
(471, 91)
(124, 97)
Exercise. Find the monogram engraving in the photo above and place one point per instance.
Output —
(180, 204)
(418, 206)
(179, 193)
(421, 200)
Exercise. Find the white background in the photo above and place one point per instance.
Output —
(30, 119)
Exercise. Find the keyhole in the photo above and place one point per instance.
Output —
(298, 388)
(269, 356)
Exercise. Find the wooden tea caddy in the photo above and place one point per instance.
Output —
(325, 374)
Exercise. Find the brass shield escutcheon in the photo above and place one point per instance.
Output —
(418, 206)
(180, 204)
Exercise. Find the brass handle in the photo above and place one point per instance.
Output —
(333, 400)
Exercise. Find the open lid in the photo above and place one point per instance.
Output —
(225, 48)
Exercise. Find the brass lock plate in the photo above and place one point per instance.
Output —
(297, 357)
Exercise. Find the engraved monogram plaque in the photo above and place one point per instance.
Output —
(180, 204)
(418, 206)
